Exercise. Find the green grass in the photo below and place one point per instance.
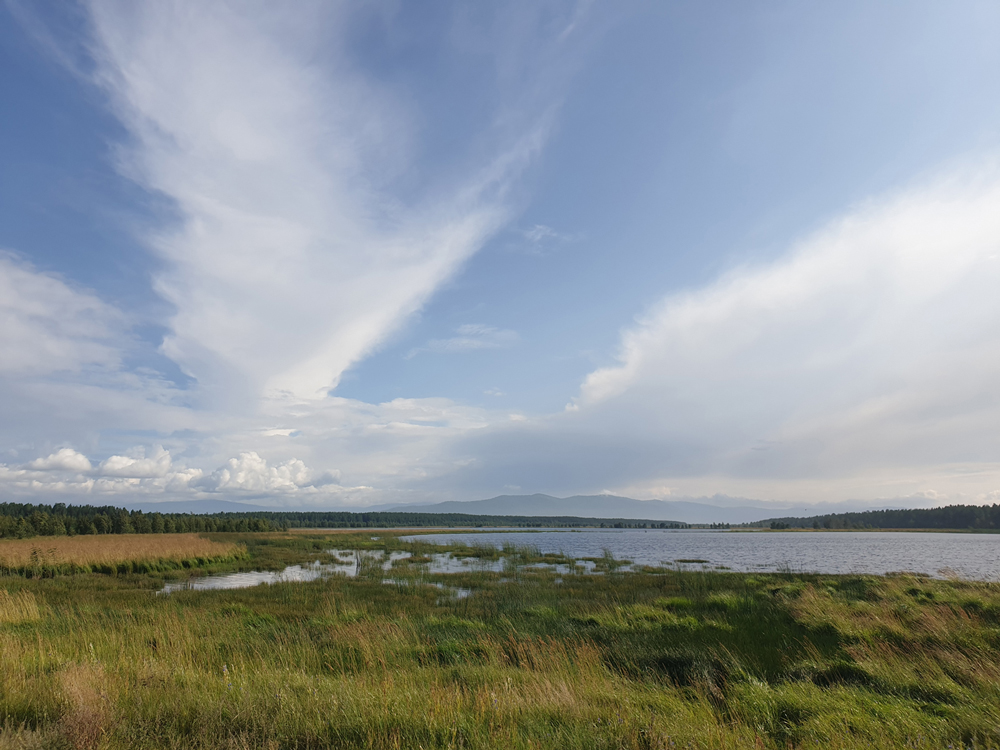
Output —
(655, 659)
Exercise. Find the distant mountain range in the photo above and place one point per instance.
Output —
(714, 509)
(718, 509)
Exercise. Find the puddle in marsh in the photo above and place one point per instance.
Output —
(351, 563)
(253, 578)
(348, 563)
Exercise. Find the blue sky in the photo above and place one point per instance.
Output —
(354, 254)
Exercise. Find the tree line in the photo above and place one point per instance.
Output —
(978, 517)
(23, 520)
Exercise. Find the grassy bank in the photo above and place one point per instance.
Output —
(654, 659)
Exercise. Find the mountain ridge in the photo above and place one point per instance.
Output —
(701, 510)
(686, 510)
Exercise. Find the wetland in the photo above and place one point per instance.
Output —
(400, 642)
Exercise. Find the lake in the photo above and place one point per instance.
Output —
(973, 556)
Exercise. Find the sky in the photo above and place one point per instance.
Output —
(346, 254)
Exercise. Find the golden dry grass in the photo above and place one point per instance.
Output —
(87, 705)
(19, 607)
(110, 549)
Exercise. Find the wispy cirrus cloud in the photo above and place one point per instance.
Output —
(468, 338)
(305, 222)
(541, 239)
(48, 326)
(67, 365)
(292, 258)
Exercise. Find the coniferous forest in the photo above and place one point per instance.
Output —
(954, 517)
(24, 520)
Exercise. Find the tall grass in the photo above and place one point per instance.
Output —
(17, 607)
(111, 553)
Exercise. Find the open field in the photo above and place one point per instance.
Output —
(653, 659)
(111, 554)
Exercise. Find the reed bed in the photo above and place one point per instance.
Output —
(117, 553)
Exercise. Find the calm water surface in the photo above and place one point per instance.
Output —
(347, 564)
(973, 556)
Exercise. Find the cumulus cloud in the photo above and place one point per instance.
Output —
(68, 472)
(249, 471)
(139, 465)
(64, 459)
(326, 453)
(467, 338)
(152, 472)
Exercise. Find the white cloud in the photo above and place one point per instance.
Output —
(151, 473)
(864, 361)
(388, 446)
(542, 240)
(251, 472)
(71, 474)
(48, 326)
(469, 337)
(309, 222)
(139, 465)
(874, 344)
(325, 453)
(541, 232)
(291, 260)
(861, 365)
(64, 459)
(67, 366)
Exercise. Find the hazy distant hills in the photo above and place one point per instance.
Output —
(687, 510)
(715, 509)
